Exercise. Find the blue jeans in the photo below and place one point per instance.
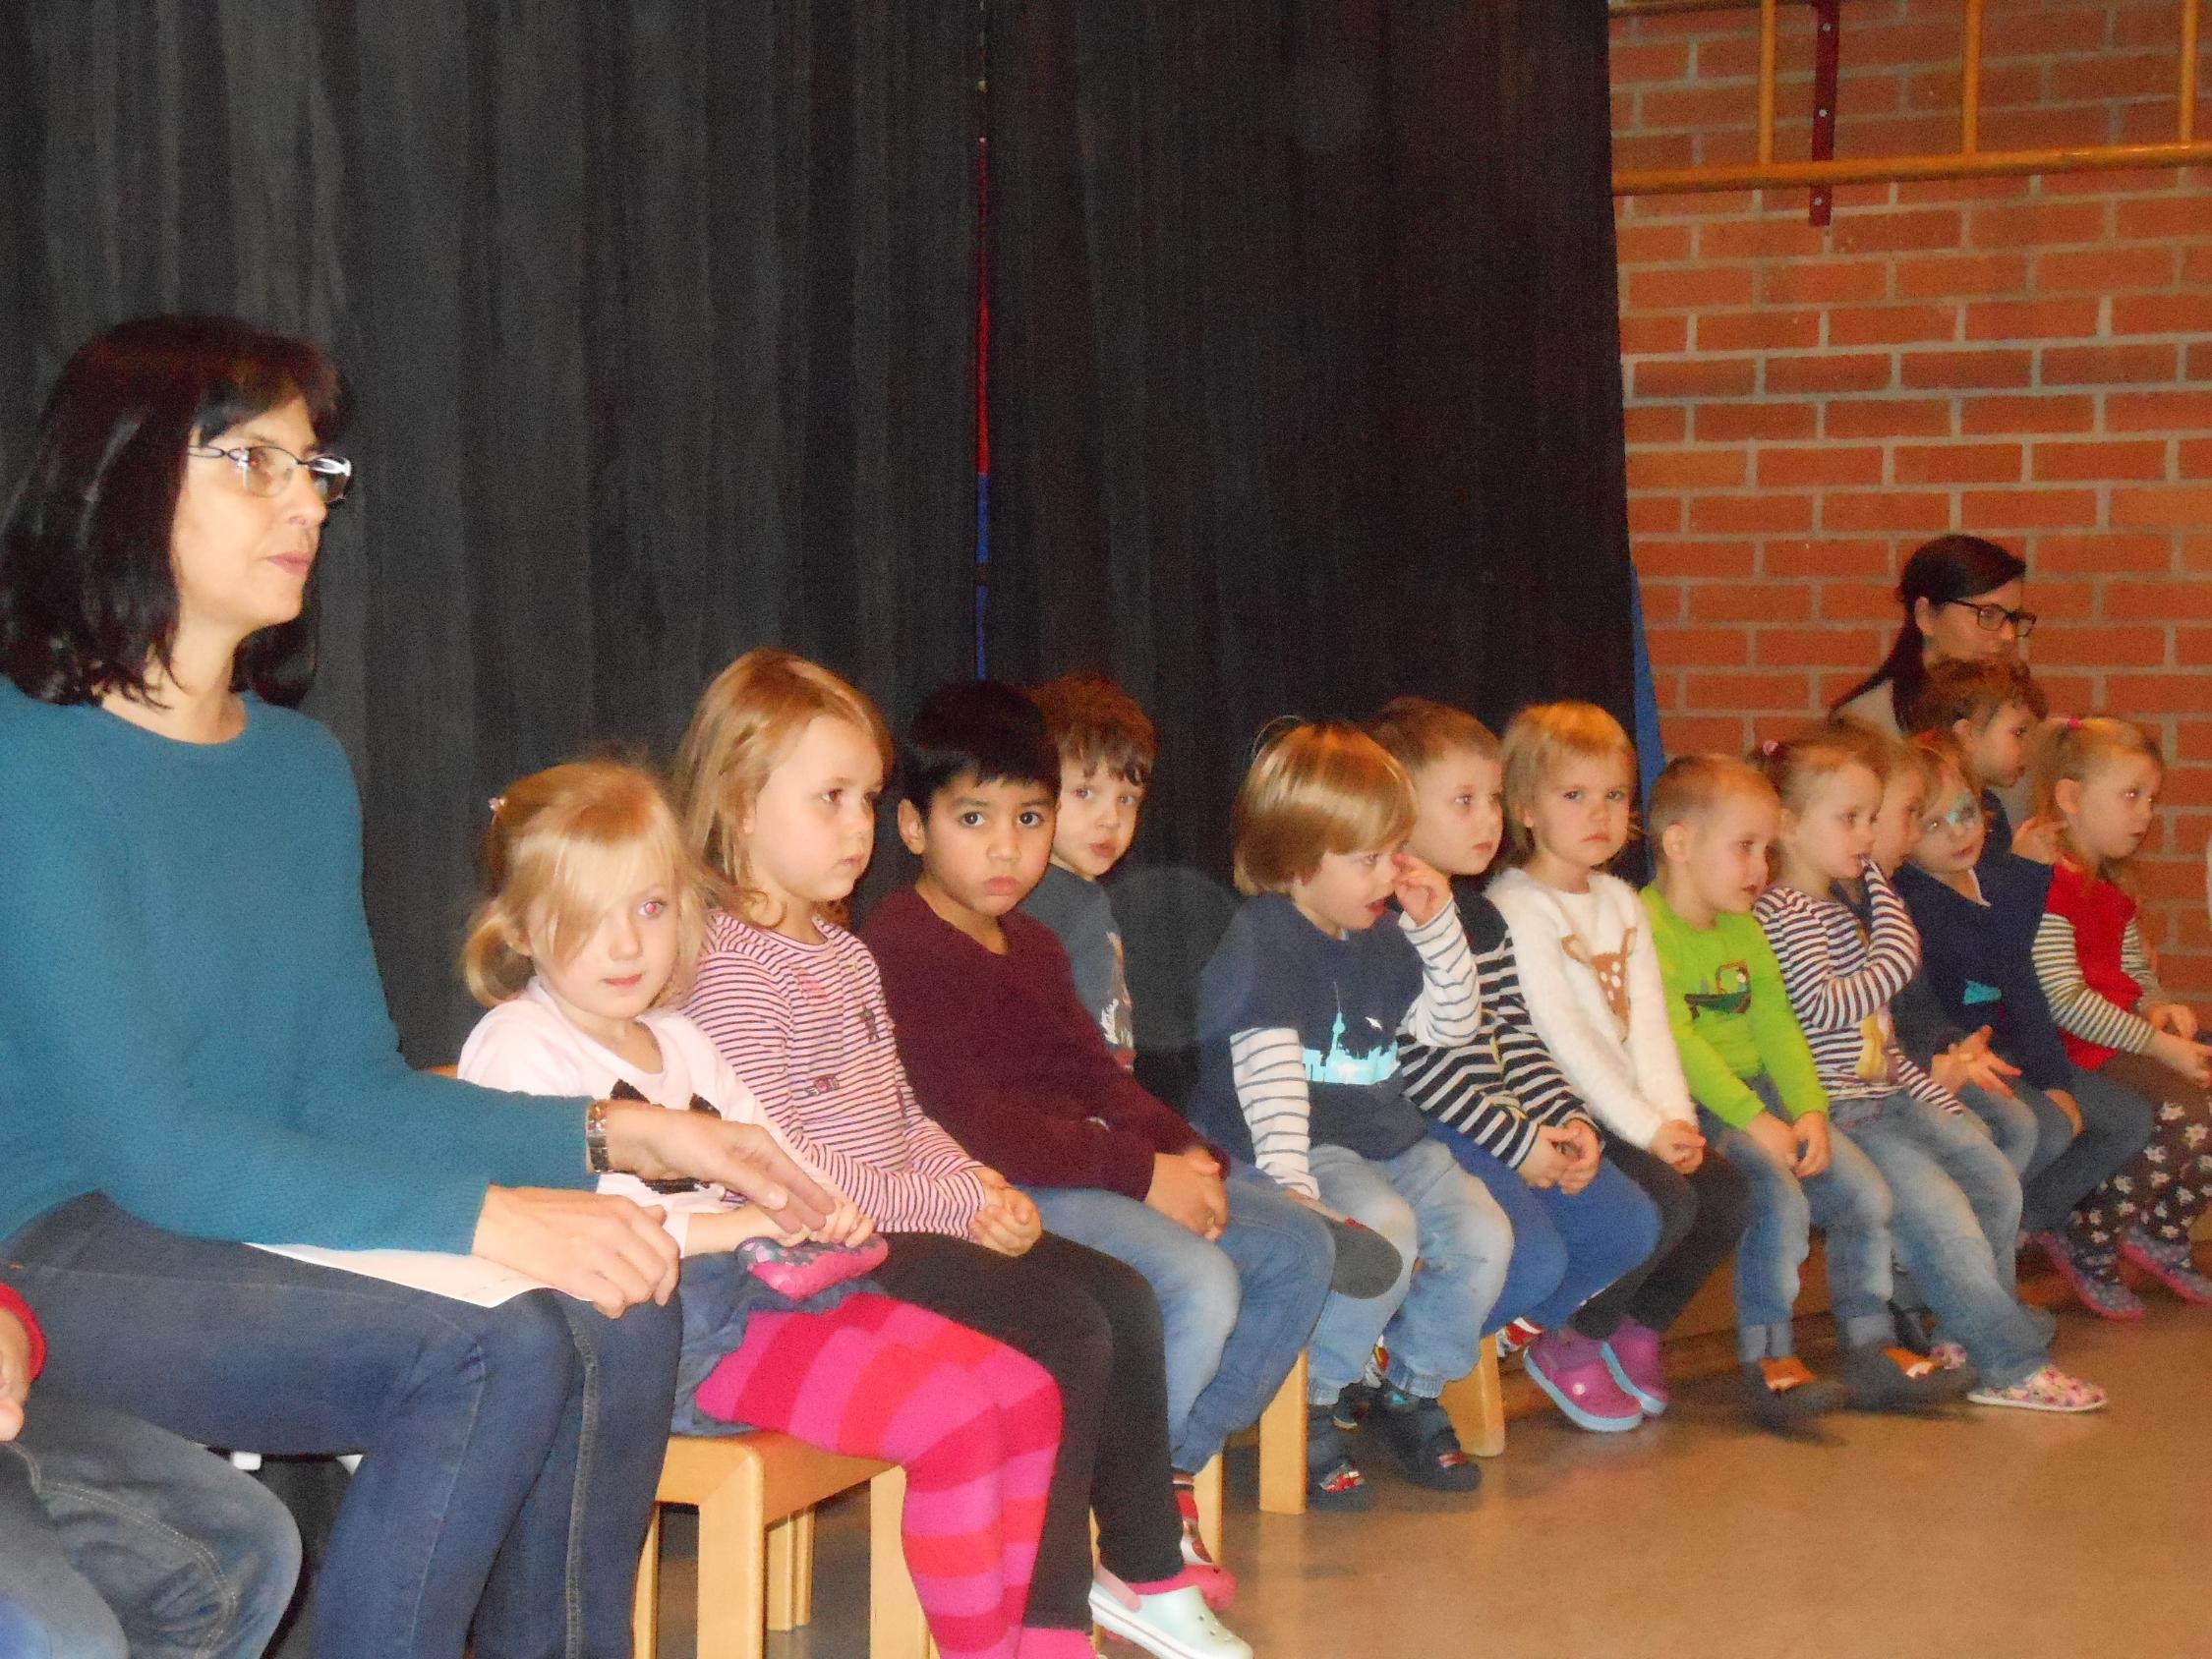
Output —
(1566, 1247)
(1236, 1311)
(2027, 1127)
(119, 1538)
(1956, 1211)
(2116, 1126)
(1437, 1214)
(511, 1453)
(1850, 1204)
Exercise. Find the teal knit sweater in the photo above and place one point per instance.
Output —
(191, 1018)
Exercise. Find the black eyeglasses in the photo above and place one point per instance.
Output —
(267, 471)
(1994, 617)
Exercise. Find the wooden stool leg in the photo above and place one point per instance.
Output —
(897, 1628)
(1207, 1488)
(1476, 1406)
(791, 1571)
(645, 1600)
(1282, 1446)
(734, 1569)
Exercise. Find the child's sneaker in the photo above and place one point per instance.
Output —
(1892, 1379)
(1571, 1368)
(2048, 1390)
(1333, 1481)
(1169, 1624)
(1777, 1393)
(2101, 1293)
(1419, 1435)
(1632, 1355)
(1515, 1337)
(2169, 1262)
(1217, 1582)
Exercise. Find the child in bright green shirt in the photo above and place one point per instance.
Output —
(1760, 1100)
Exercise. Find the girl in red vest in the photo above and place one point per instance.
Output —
(2096, 779)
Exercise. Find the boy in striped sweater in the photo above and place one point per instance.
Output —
(1500, 1103)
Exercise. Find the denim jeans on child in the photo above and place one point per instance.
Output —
(1566, 1246)
(1848, 1201)
(1955, 1212)
(511, 1453)
(118, 1538)
(2116, 1126)
(2027, 1125)
(1435, 1213)
(1236, 1312)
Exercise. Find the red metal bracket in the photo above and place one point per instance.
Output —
(1826, 64)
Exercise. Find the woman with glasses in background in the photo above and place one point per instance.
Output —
(195, 1052)
(1962, 598)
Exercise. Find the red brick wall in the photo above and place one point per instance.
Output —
(2026, 359)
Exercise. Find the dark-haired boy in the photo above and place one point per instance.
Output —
(1004, 1055)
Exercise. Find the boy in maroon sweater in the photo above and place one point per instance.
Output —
(1002, 1052)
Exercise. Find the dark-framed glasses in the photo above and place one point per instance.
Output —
(265, 469)
(1994, 617)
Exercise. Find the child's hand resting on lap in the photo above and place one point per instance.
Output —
(1009, 1222)
(1775, 1137)
(1189, 1194)
(1811, 1132)
(1678, 1146)
(1548, 1157)
(1588, 1151)
(2191, 1058)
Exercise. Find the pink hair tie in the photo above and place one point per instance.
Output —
(2073, 722)
(495, 803)
(1770, 748)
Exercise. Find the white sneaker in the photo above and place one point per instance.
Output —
(1172, 1624)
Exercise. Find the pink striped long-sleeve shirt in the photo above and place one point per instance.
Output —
(806, 1028)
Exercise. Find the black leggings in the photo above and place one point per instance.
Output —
(1092, 1323)
(1701, 1218)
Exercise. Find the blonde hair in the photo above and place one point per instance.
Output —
(565, 846)
(1693, 786)
(1540, 739)
(749, 719)
(1420, 731)
(1933, 756)
(1314, 788)
(1798, 765)
(2075, 751)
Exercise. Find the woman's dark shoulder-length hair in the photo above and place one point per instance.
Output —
(1951, 567)
(88, 592)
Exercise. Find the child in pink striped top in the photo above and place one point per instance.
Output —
(778, 776)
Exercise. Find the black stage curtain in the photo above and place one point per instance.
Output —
(1304, 382)
(658, 319)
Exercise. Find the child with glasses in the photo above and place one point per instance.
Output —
(1977, 913)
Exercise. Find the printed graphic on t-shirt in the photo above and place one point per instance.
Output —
(1727, 993)
(1876, 1034)
(1977, 993)
(1116, 1021)
(1374, 1063)
(1611, 970)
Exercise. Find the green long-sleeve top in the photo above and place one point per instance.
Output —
(1731, 1014)
(191, 1017)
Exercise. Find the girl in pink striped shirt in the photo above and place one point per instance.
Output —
(779, 776)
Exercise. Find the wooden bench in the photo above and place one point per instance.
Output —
(755, 1494)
